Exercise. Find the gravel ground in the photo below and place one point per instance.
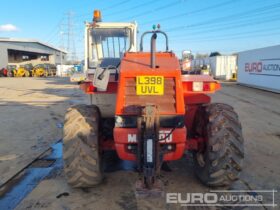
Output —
(31, 113)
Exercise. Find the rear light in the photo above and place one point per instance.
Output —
(91, 88)
(209, 86)
(197, 86)
(203, 86)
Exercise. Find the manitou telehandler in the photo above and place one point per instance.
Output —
(142, 106)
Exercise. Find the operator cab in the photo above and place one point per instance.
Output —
(106, 43)
(107, 46)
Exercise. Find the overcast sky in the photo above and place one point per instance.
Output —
(199, 25)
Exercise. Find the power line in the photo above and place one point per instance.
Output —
(54, 29)
(234, 38)
(233, 35)
(249, 18)
(54, 36)
(190, 13)
(61, 33)
(132, 8)
(116, 5)
(222, 19)
(152, 10)
(105, 8)
(230, 26)
(70, 34)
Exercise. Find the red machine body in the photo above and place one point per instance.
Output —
(180, 100)
(148, 110)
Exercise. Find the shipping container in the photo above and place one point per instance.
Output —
(222, 67)
(260, 68)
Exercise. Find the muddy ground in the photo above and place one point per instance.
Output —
(31, 117)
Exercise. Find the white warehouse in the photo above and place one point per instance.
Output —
(23, 51)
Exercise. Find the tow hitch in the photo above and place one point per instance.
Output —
(150, 160)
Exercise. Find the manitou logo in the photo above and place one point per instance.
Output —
(132, 138)
(164, 135)
(254, 67)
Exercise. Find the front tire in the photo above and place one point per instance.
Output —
(82, 160)
(220, 162)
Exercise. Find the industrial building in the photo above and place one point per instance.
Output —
(24, 51)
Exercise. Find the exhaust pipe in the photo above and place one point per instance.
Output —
(153, 45)
(153, 50)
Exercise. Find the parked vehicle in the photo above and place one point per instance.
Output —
(12, 70)
(3, 72)
(39, 71)
(24, 71)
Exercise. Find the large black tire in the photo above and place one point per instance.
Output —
(220, 162)
(82, 159)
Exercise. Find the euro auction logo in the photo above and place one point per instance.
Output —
(270, 67)
(256, 67)
(225, 198)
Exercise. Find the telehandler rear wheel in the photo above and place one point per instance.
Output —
(220, 162)
(82, 160)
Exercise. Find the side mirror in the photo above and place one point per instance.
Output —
(101, 79)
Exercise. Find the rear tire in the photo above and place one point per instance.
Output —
(82, 160)
(220, 162)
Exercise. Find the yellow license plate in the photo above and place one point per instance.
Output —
(149, 85)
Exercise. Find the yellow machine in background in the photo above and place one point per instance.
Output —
(21, 72)
(24, 71)
(39, 71)
(27, 70)
(12, 70)
(44, 70)
(51, 69)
